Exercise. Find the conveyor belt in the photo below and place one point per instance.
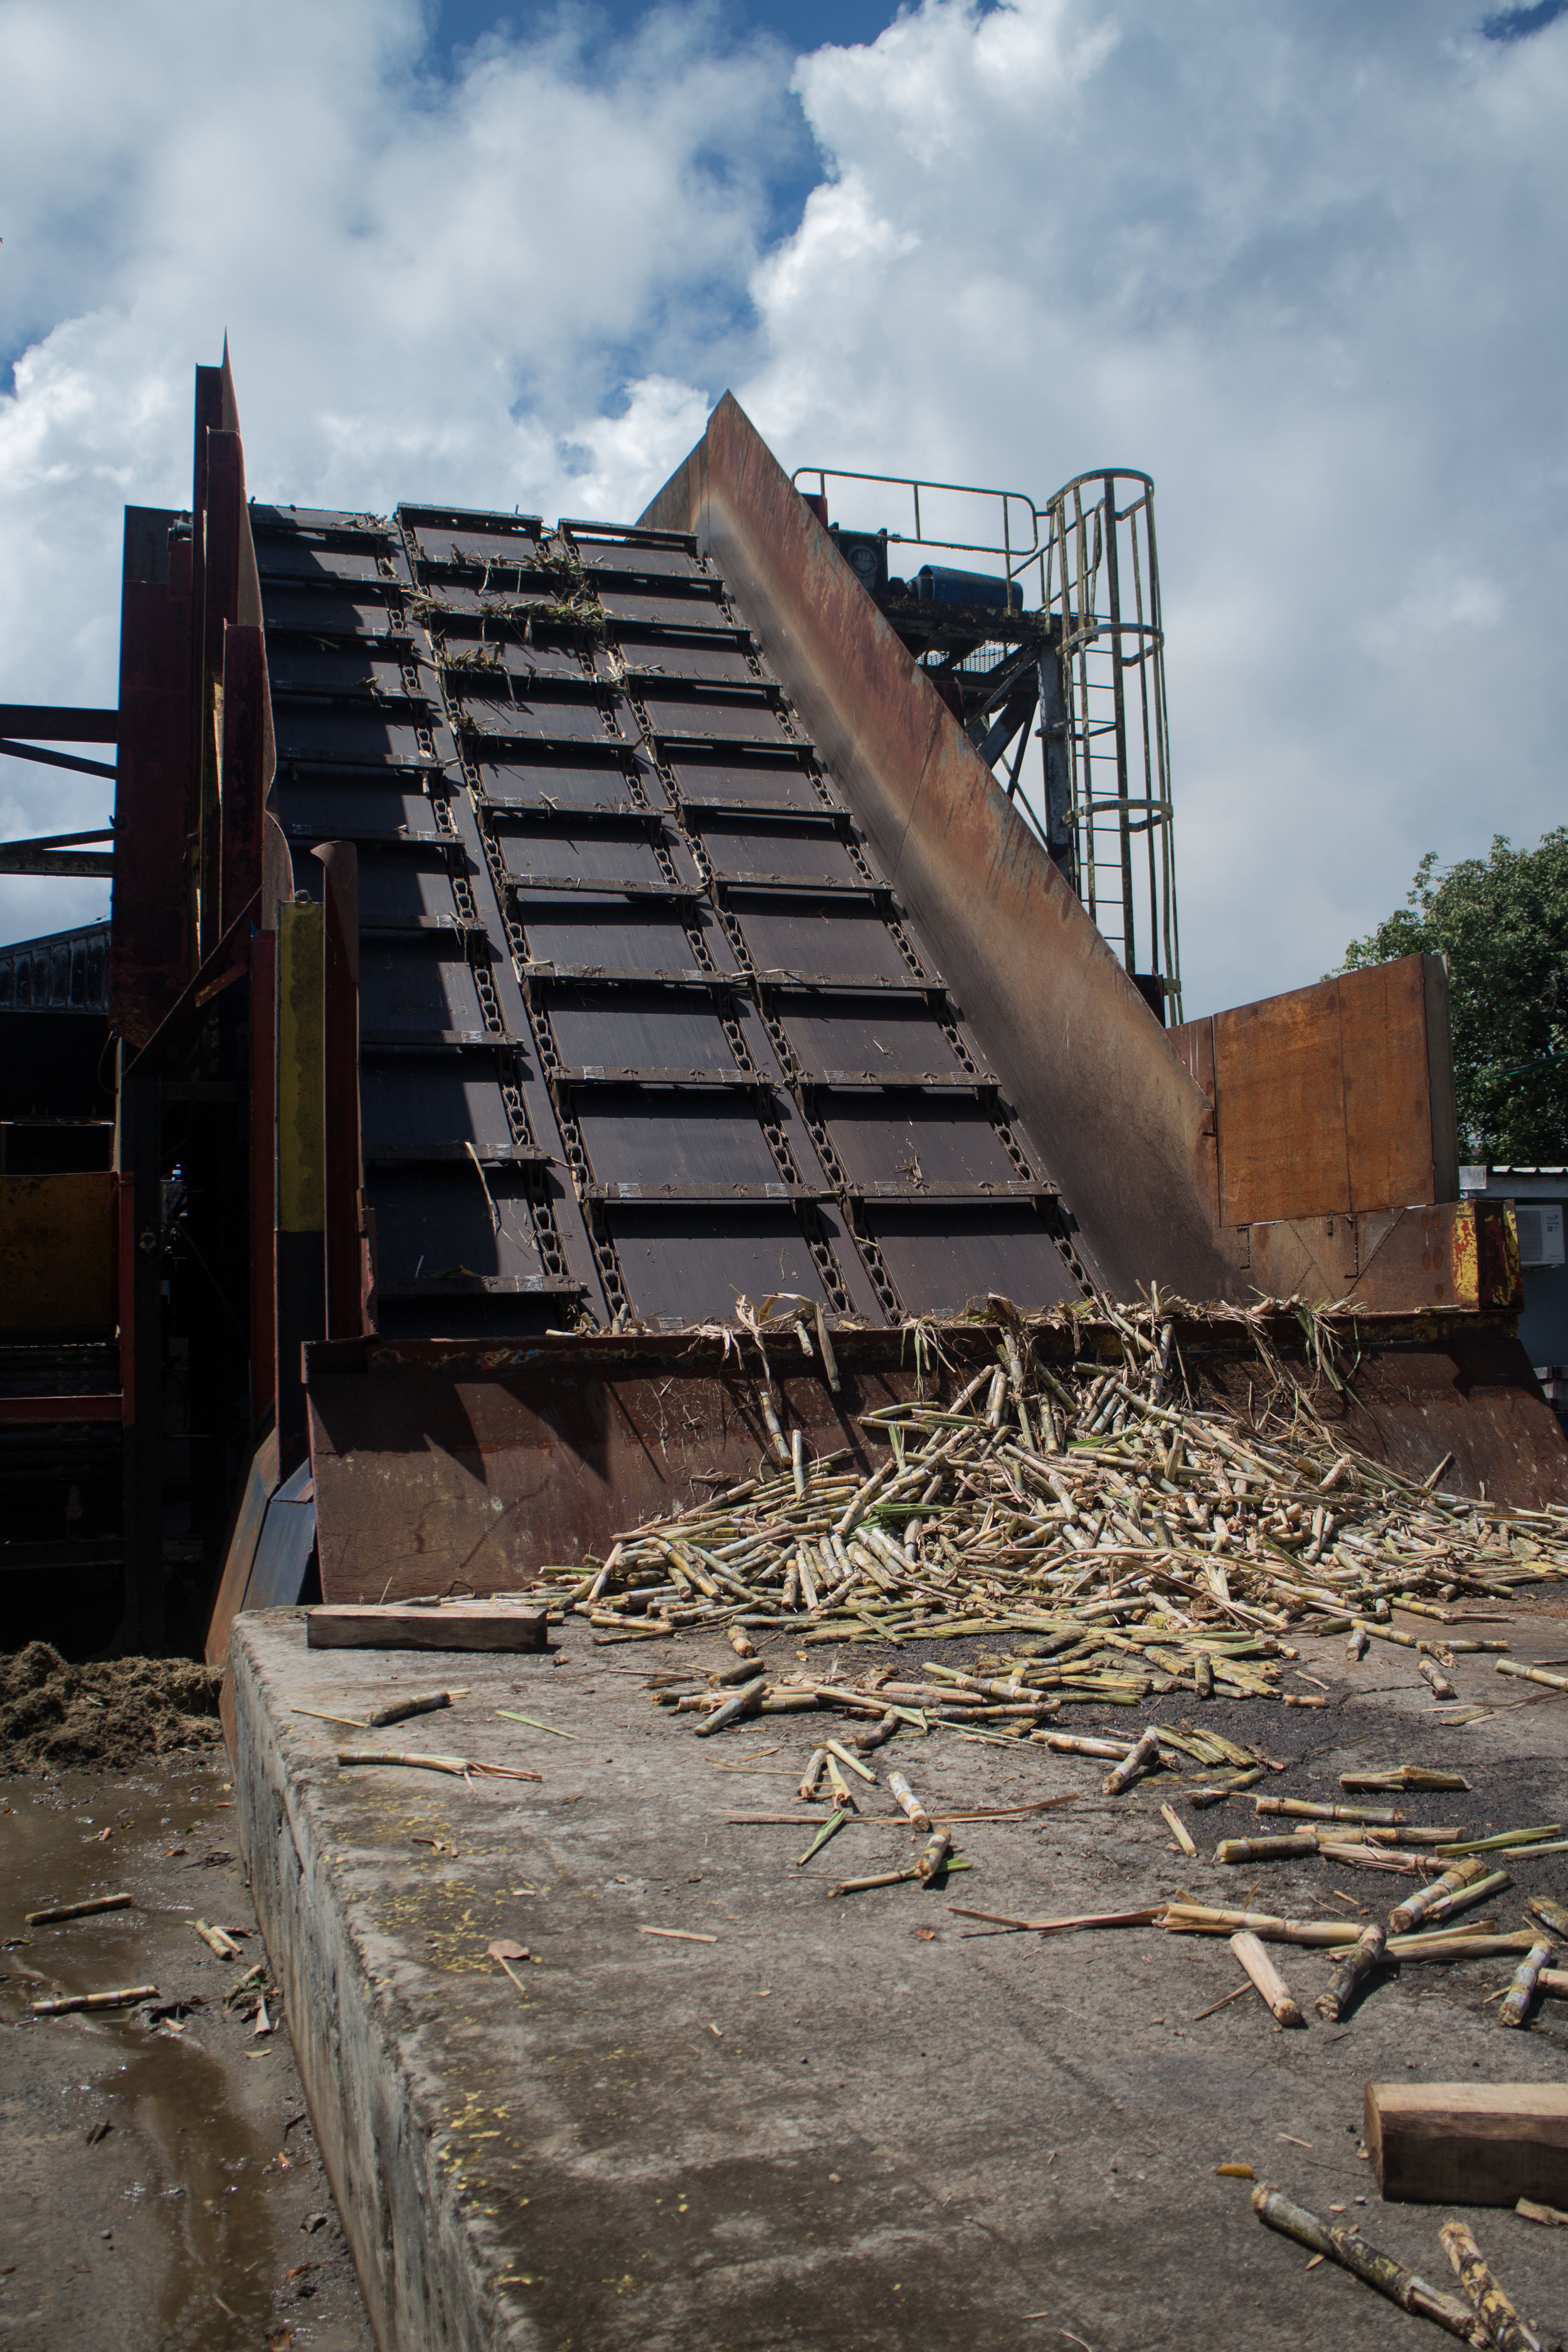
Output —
(642, 1026)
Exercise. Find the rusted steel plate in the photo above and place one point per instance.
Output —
(1324, 1102)
(438, 1465)
(432, 1470)
(1462, 1254)
(1473, 1395)
(1121, 1122)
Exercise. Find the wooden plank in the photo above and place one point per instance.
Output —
(452, 1625)
(1469, 2143)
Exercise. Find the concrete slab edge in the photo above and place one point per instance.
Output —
(355, 2039)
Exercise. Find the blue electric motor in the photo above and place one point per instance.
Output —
(935, 584)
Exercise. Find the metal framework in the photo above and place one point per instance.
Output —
(1079, 670)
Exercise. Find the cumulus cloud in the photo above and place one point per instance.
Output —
(504, 289)
(1302, 265)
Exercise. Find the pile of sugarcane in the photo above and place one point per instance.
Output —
(1136, 1543)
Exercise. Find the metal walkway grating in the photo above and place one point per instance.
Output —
(642, 1028)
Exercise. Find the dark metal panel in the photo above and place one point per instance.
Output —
(947, 1254)
(693, 608)
(623, 558)
(718, 716)
(638, 1028)
(315, 665)
(453, 1228)
(599, 856)
(519, 708)
(842, 943)
(752, 849)
(343, 731)
(849, 1034)
(651, 655)
(433, 1103)
(331, 609)
(923, 1138)
(358, 803)
(634, 936)
(417, 986)
(692, 1265)
(661, 1135)
(596, 777)
(762, 782)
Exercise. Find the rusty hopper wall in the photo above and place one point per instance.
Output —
(1128, 1135)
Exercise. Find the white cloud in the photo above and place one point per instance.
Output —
(502, 290)
(1303, 265)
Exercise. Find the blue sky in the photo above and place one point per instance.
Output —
(1303, 263)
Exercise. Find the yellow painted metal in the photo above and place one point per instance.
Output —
(301, 1137)
(57, 1251)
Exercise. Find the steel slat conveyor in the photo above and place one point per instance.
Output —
(642, 1027)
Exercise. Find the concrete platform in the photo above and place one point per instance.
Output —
(852, 2123)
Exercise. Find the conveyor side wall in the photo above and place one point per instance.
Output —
(1127, 1134)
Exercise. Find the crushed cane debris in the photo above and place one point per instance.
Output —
(1138, 1545)
(57, 1716)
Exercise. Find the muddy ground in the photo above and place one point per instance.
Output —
(162, 2184)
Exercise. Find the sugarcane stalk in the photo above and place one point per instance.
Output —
(879, 1732)
(1179, 1831)
(1365, 1954)
(430, 1703)
(1351, 2250)
(813, 1773)
(87, 1910)
(1404, 1915)
(1300, 1810)
(126, 1997)
(1265, 1849)
(906, 1802)
(745, 1701)
(217, 1940)
(1501, 2324)
(1520, 1996)
(1532, 1675)
(882, 1878)
(1143, 1757)
(1275, 1992)
(1549, 1914)
(934, 1853)
(1211, 1920)
(1497, 1883)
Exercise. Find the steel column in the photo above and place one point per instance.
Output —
(301, 1194)
(140, 1350)
(340, 1127)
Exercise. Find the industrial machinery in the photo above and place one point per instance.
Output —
(538, 952)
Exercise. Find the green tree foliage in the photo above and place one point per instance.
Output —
(1502, 923)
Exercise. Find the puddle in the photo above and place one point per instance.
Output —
(165, 2173)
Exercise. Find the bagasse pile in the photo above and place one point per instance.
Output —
(57, 1716)
(1145, 1544)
